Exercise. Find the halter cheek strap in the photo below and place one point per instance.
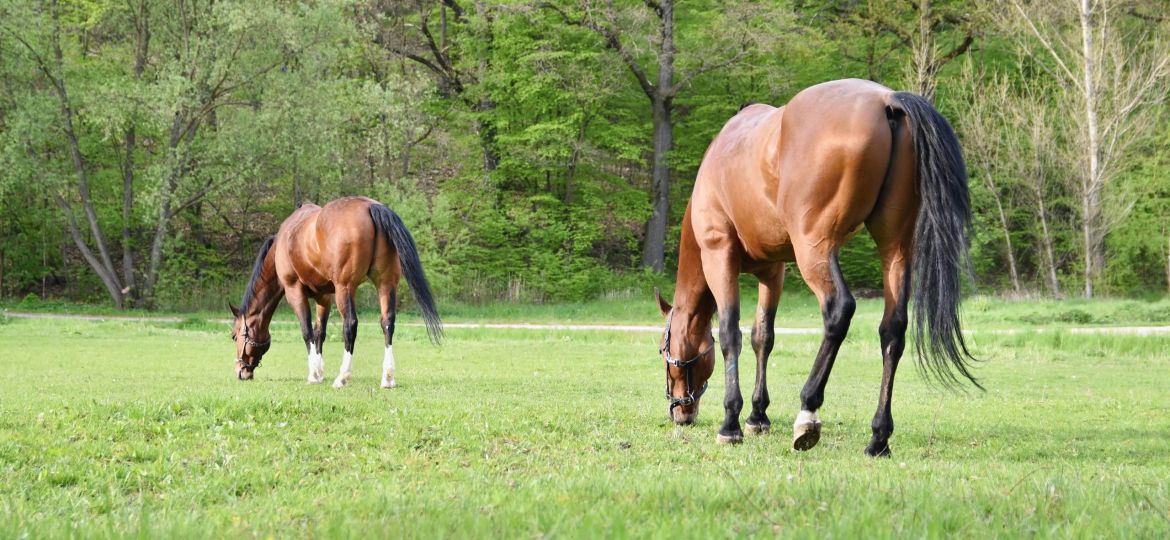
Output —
(686, 365)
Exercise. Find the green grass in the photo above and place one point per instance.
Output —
(797, 310)
(138, 429)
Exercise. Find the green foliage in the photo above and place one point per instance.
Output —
(244, 109)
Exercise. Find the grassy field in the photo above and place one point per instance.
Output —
(138, 428)
(797, 310)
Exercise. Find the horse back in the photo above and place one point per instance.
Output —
(808, 172)
(330, 245)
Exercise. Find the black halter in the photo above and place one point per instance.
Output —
(258, 347)
(686, 365)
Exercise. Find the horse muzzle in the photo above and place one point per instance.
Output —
(684, 415)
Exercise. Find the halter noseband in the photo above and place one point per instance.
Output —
(686, 365)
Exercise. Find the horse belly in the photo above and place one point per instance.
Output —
(768, 244)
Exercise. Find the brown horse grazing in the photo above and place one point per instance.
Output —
(322, 253)
(794, 184)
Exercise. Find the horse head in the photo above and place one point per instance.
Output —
(688, 351)
(252, 342)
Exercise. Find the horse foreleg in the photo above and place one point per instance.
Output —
(763, 337)
(721, 268)
(349, 325)
(300, 305)
(822, 273)
(388, 300)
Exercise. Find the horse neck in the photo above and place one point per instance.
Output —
(266, 294)
(693, 302)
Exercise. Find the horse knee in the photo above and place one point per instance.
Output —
(730, 337)
(763, 338)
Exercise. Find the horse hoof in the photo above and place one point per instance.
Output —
(734, 438)
(340, 383)
(806, 436)
(876, 451)
(389, 385)
(757, 429)
(313, 380)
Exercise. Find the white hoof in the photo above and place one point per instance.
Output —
(806, 431)
(316, 378)
(341, 381)
(388, 383)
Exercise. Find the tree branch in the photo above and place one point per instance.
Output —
(612, 41)
(705, 68)
(1048, 46)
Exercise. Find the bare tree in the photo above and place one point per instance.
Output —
(982, 128)
(1112, 72)
(1033, 154)
(928, 57)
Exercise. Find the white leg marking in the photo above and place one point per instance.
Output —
(388, 368)
(316, 365)
(344, 373)
(806, 418)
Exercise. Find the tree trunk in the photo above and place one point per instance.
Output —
(661, 102)
(654, 249)
(1007, 238)
(1053, 284)
(102, 264)
(178, 156)
(1090, 198)
(128, 215)
(924, 52)
(141, 19)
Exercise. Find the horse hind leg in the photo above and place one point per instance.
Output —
(317, 347)
(763, 337)
(349, 326)
(822, 273)
(388, 300)
(896, 285)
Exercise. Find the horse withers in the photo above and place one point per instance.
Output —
(322, 254)
(794, 184)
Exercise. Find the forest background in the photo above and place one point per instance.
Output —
(543, 151)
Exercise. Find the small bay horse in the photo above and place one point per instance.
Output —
(794, 184)
(324, 253)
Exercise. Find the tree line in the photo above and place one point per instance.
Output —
(543, 150)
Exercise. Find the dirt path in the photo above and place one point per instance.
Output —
(1126, 330)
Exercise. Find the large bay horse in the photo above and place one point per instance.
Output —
(794, 184)
(324, 253)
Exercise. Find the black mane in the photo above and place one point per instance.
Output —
(251, 290)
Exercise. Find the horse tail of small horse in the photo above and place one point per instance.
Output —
(940, 240)
(389, 224)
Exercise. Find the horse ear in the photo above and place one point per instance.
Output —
(235, 311)
(663, 305)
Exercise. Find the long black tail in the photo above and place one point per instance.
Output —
(391, 225)
(940, 242)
